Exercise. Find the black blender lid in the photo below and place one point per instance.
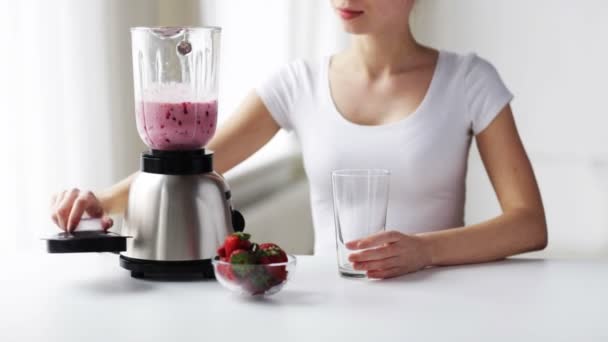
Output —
(86, 241)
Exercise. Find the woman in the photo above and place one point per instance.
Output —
(385, 102)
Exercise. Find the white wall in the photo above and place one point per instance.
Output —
(67, 106)
(553, 54)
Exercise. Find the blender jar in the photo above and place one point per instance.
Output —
(175, 72)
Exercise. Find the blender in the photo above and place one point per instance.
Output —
(179, 209)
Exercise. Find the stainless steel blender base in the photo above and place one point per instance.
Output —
(177, 217)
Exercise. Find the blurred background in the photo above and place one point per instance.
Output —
(67, 96)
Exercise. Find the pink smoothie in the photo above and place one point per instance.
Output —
(176, 126)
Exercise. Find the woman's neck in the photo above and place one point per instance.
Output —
(386, 53)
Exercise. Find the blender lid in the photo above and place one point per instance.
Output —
(85, 242)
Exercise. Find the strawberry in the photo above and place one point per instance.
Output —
(236, 241)
(221, 252)
(258, 282)
(241, 261)
(241, 257)
(268, 245)
(225, 271)
(271, 254)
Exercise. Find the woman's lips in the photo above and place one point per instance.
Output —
(348, 14)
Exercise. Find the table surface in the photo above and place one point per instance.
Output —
(88, 297)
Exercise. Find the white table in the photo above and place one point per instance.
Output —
(88, 297)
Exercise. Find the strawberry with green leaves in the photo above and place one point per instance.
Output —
(232, 242)
(258, 282)
(249, 264)
(242, 257)
(272, 254)
(236, 241)
(241, 261)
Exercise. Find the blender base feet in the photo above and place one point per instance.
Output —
(137, 275)
(188, 269)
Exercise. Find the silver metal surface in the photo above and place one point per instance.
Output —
(176, 218)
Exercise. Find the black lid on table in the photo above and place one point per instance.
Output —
(85, 242)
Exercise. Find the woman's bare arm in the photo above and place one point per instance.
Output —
(521, 227)
(250, 128)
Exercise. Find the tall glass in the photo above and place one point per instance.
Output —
(360, 206)
(176, 72)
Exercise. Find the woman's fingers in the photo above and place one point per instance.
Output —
(96, 210)
(86, 201)
(385, 273)
(55, 200)
(377, 253)
(375, 265)
(54, 218)
(68, 207)
(377, 239)
(65, 207)
(106, 222)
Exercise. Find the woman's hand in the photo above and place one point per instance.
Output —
(68, 207)
(390, 254)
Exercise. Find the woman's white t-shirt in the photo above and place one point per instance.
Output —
(426, 151)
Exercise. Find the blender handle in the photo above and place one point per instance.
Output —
(238, 221)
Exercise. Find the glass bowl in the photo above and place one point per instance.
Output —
(254, 279)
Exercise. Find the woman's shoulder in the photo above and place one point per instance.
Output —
(291, 82)
(302, 66)
(485, 93)
(468, 65)
(299, 71)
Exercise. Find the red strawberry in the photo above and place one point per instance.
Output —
(241, 257)
(236, 241)
(271, 254)
(258, 282)
(225, 270)
(268, 245)
(221, 252)
(241, 261)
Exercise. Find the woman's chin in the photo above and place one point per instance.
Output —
(354, 29)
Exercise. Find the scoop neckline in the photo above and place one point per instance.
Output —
(413, 116)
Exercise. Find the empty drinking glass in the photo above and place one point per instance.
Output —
(360, 205)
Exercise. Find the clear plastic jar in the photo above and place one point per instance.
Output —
(175, 72)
